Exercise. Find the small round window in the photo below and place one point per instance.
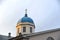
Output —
(50, 38)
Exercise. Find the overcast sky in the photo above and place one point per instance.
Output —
(45, 13)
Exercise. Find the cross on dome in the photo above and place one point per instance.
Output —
(25, 12)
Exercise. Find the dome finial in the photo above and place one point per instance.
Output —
(25, 12)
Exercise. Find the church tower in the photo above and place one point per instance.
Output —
(25, 25)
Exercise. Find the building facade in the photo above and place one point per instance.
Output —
(25, 25)
(25, 31)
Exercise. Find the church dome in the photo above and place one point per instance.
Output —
(26, 19)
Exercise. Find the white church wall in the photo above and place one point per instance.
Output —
(55, 35)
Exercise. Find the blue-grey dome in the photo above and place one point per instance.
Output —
(26, 19)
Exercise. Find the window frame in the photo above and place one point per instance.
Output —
(24, 29)
(18, 30)
(30, 29)
(50, 38)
